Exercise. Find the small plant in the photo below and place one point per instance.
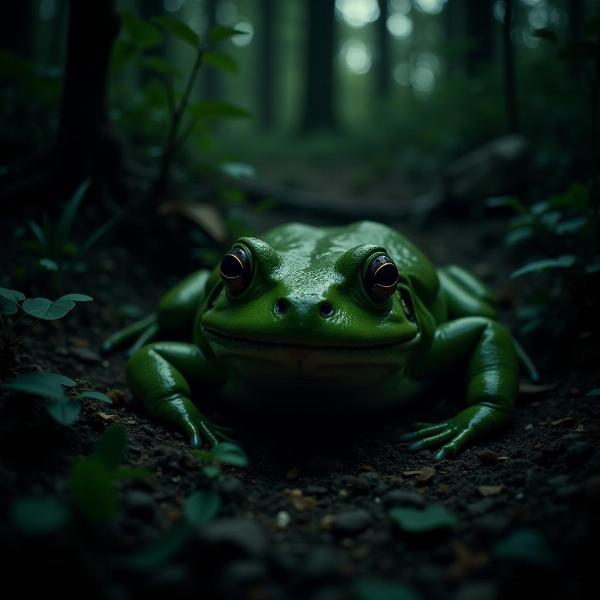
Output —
(16, 311)
(58, 252)
(225, 453)
(138, 42)
(63, 407)
(560, 236)
(93, 489)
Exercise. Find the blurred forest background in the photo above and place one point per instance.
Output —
(406, 85)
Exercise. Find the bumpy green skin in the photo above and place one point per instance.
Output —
(363, 357)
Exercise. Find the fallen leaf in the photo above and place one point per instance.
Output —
(327, 522)
(466, 561)
(118, 397)
(564, 422)
(490, 490)
(422, 475)
(206, 217)
(487, 457)
(106, 416)
(292, 473)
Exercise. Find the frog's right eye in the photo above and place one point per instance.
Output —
(236, 270)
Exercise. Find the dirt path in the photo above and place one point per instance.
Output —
(310, 516)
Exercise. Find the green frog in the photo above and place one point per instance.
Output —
(325, 321)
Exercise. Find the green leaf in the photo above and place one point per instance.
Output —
(38, 233)
(525, 546)
(126, 473)
(379, 589)
(157, 65)
(211, 109)
(39, 515)
(202, 454)
(594, 392)
(12, 295)
(110, 447)
(76, 298)
(46, 385)
(142, 34)
(201, 507)
(571, 226)
(8, 307)
(162, 550)
(48, 264)
(64, 411)
(577, 196)
(211, 471)
(565, 261)
(506, 201)
(238, 170)
(92, 489)
(219, 33)
(220, 61)
(518, 235)
(45, 309)
(69, 214)
(229, 454)
(96, 235)
(432, 518)
(546, 34)
(93, 395)
(178, 29)
(124, 52)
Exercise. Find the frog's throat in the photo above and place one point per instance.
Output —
(407, 342)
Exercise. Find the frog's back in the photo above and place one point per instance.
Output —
(326, 244)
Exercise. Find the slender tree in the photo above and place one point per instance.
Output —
(318, 89)
(210, 77)
(266, 69)
(383, 50)
(480, 34)
(510, 88)
(83, 139)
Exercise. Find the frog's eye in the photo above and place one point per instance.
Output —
(381, 278)
(236, 270)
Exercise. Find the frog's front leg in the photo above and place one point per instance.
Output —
(162, 376)
(486, 348)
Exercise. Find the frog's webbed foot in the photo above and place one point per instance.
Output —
(160, 374)
(455, 433)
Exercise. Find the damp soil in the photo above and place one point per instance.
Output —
(309, 517)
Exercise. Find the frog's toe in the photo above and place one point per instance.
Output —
(432, 440)
(456, 444)
(423, 430)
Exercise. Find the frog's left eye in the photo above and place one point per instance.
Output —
(236, 270)
(381, 278)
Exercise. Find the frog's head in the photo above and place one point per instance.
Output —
(310, 315)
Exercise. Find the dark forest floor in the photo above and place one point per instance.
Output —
(309, 517)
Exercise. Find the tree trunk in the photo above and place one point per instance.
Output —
(84, 144)
(510, 88)
(210, 77)
(266, 70)
(16, 26)
(318, 91)
(383, 51)
(480, 34)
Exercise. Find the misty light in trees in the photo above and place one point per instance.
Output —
(356, 56)
(399, 25)
(401, 6)
(432, 7)
(248, 34)
(357, 13)
(47, 10)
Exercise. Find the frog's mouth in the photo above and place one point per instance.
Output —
(407, 342)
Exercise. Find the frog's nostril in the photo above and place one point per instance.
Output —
(281, 306)
(326, 309)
